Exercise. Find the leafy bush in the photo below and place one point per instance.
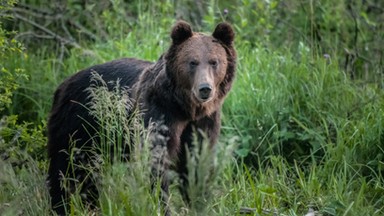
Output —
(18, 142)
(8, 76)
(21, 142)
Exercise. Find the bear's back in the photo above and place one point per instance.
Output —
(70, 100)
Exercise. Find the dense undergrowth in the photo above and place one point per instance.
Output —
(303, 127)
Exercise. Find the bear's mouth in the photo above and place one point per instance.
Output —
(204, 100)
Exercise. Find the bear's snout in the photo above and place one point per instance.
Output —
(205, 91)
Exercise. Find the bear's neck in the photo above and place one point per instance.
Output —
(174, 101)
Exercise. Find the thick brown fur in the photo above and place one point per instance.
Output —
(182, 92)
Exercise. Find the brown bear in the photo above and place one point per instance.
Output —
(183, 91)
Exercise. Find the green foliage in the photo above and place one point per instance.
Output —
(351, 31)
(18, 142)
(305, 113)
(303, 110)
(8, 76)
(21, 142)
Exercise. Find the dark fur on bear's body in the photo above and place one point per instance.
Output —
(70, 122)
(183, 90)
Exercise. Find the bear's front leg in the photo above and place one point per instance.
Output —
(160, 164)
(194, 134)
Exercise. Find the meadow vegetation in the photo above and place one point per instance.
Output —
(303, 127)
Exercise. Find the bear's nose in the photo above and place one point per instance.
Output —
(205, 91)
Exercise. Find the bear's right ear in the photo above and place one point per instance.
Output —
(224, 32)
(181, 31)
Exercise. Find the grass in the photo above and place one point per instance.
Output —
(330, 124)
(298, 134)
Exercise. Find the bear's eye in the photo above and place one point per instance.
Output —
(213, 63)
(193, 63)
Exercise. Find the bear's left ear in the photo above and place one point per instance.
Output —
(181, 31)
(224, 33)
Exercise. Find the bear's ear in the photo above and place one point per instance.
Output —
(224, 33)
(181, 31)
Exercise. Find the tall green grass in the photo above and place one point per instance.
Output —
(296, 105)
(297, 133)
(23, 190)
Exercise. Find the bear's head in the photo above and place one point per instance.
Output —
(202, 66)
